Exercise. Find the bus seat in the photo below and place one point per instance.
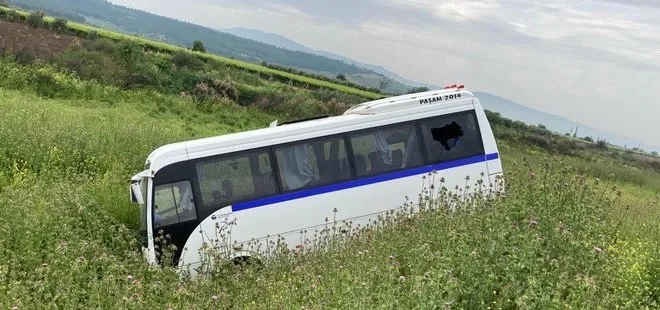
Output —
(376, 162)
(397, 158)
(360, 164)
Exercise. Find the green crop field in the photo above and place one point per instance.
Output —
(579, 230)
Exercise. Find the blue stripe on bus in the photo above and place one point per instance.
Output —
(361, 182)
(492, 156)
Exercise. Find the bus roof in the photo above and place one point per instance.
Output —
(372, 112)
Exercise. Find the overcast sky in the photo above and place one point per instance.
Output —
(593, 61)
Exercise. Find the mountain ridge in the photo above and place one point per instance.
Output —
(508, 108)
(288, 54)
(516, 111)
(284, 42)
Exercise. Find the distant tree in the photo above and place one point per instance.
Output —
(13, 16)
(418, 90)
(183, 59)
(59, 25)
(654, 153)
(130, 54)
(4, 3)
(601, 144)
(384, 83)
(588, 139)
(198, 46)
(36, 19)
(92, 35)
(341, 77)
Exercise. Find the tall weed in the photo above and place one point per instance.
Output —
(558, 239)
(547, 244)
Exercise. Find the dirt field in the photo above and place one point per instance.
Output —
(41, 43)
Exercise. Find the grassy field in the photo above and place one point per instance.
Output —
(570, 233)
(84, 31)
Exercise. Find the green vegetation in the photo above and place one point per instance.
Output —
(560, 238)
(596, 153)
(577, 228)
(181, 34)
(125, 66)
(198, 46)
(283, 74)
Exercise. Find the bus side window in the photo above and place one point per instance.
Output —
(386, 149)
(313, 163)
(174, 204)
(263, 180)
(451, 137)
(298, 166)
(235, 178)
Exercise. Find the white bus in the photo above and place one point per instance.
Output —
(288, 179)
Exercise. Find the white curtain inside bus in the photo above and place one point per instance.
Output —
(297, 167)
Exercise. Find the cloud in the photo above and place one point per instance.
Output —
(452, 9)
(519, 25)
(466, 10)
(640, 3)
(594, 61)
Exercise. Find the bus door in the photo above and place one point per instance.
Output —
(174, 219)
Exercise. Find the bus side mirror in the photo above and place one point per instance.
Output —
(136, 193)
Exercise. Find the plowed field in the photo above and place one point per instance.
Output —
(42, 43)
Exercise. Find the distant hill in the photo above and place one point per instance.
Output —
(268, 38)
(507, 108)
(284, 42)
(136, 22)
(516, 111)
(259, 46)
